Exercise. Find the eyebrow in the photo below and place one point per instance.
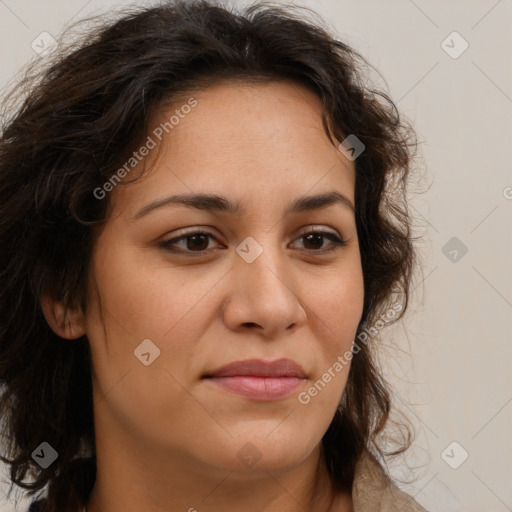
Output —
(216, 203)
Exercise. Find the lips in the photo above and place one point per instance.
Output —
(260, 368)
(257, 379)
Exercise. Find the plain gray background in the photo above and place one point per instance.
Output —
(450, 358)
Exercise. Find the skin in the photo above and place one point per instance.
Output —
(166, 438)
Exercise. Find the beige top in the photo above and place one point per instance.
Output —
(373, 491)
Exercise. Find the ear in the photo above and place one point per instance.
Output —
(69, 325)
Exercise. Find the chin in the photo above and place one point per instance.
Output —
(252, 454)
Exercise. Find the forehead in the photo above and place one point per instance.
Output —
(235, 113)
(240, 138)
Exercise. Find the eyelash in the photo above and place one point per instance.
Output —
(336, 241)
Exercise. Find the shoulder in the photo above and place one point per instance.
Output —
(373, 490)
(37, 506)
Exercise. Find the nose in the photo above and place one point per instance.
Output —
(265, 296)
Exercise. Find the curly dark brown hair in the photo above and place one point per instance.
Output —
(69, 126)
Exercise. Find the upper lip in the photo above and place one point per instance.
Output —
(260, 368)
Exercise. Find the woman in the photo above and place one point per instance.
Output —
(200, 246)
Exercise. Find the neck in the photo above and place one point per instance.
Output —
(125, 482)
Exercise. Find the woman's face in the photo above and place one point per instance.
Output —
(256, 287)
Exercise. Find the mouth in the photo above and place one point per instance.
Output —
(258, 379)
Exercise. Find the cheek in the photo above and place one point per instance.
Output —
(337, 306)
(143, 300)
(133, 305)
(337, 312)
(347, 305)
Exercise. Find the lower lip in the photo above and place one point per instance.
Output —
(258, 388)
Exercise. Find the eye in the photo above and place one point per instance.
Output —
(315, 238)
(196, 243)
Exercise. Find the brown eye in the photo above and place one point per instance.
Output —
(314, 240)
(195, 243)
